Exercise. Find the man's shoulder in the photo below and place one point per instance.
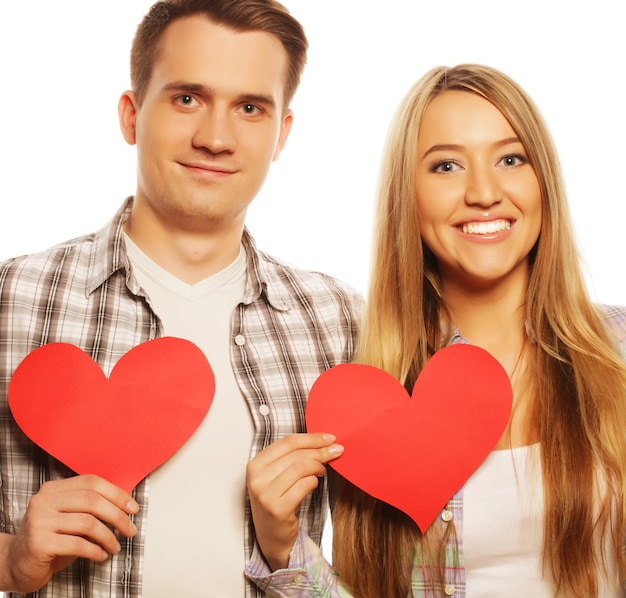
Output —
(78, 254)
(292, 278)
(74, 255)
(42, 261)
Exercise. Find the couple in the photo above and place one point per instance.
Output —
(473, 244)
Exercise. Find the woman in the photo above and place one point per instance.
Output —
(474, 244)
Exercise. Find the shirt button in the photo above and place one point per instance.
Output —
(299, 579)
(446, 515)
(240, 340)
(264, 410)
(449, 589)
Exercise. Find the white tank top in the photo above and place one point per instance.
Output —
(503, 528)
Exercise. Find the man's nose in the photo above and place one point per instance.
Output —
(215, 131)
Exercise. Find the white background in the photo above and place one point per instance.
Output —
(65, 168)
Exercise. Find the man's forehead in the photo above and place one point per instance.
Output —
(199, 51)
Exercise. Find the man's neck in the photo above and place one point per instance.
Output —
(189, 255)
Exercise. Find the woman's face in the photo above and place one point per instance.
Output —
(478, 198)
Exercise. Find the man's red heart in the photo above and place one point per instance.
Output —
(414, 452)
(120, 428)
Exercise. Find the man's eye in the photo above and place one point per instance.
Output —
(186, 100)
(250, 109)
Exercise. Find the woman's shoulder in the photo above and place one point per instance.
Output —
(614, 318)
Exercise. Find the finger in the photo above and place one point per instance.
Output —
(275, 458)
(84, 533)
(294, 442)
(270, 493)
(269, 484)
(111, 492)
(92, 496)
(295, 494)
(260, 471)
(63, 549)
(99, 508)
(296, 471)
(284, 504)
(72, 534)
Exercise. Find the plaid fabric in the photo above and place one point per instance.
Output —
(291, 326)
(615, 319)
(310, 576)
(454, 573)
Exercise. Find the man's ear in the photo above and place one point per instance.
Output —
(127, 111)
(285, 127)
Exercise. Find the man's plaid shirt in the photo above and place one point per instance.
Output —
(291, 326)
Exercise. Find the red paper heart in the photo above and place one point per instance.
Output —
(120, 428)
(414, 452)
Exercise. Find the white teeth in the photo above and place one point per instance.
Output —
(486, 228)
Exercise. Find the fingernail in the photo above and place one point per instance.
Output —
(132, 528)
(335, 449)
(132, 506)
(329, 437)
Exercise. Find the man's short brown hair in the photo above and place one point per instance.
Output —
(241, 15)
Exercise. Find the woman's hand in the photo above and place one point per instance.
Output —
(65, 520)
(278, 480)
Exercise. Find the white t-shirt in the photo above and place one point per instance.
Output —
(195, 524)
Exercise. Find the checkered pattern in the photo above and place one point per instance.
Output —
(291, 326)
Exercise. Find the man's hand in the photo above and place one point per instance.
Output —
(278, 480)
(65, 520)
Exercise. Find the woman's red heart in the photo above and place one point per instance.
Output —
(120, 428)
(414, 452)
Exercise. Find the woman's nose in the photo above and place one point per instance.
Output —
(483, 188)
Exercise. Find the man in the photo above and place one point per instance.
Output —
(209, 111)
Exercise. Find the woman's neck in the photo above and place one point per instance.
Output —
(495, 320)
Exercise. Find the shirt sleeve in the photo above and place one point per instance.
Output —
(308, 574)
(615, 320)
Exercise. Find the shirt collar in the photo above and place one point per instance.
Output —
(454, 337)
(262, 276)
(109, 256)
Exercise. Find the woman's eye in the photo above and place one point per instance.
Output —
(445, 166)
(513, 160)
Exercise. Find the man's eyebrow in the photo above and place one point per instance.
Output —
(203, 90)
(186, 86)
(259, 99)
(457, 148)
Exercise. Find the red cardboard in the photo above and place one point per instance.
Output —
(120, 428)
(414, 452)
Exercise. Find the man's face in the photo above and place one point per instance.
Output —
(210, 124)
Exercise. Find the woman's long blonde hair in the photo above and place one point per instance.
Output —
(580, 379)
